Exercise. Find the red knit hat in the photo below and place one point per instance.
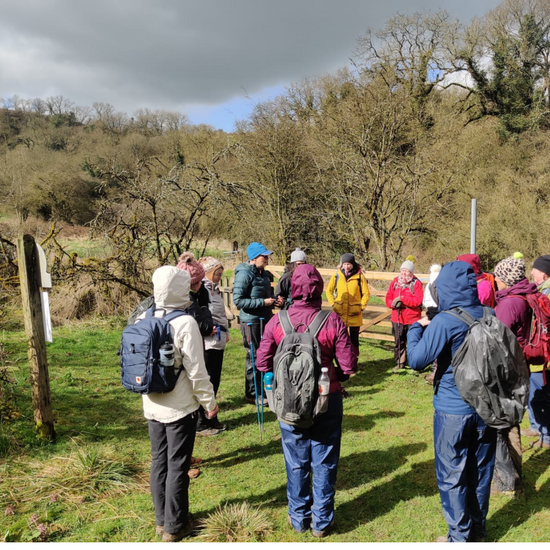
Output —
(188, 263)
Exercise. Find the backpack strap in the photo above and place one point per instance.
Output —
(318, 321)
(174, 314)
(465, 317)
(285, 322)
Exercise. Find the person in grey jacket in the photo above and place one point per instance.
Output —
(214, 344)
(172, 416)
(253, 296)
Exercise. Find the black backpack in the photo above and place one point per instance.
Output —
(140, 368)
(490, 371)
(296, 372)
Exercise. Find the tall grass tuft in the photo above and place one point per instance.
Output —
(235, 523)
(88, 472)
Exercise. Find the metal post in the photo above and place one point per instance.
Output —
(473, 227)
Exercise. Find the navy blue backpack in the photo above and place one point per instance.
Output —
(140, 368)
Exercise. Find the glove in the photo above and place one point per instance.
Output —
(396, 304)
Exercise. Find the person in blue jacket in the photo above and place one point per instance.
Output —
(464, 445)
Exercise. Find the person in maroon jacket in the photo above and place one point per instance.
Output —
(404, 297)
(315, 450)
(512, 309)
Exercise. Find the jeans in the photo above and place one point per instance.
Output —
(311, 460)
(464, 460)
(171, 448)
(539, 405)
(251, 333)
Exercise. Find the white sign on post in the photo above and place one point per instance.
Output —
(45, 282)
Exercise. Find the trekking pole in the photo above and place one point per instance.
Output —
(254, 376)
(398, 337)
(262, 379)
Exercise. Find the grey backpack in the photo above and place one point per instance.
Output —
(490, 371)
(296, 371)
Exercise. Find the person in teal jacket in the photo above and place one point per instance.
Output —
(253, 296)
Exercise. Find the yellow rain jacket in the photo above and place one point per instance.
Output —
(349, 298)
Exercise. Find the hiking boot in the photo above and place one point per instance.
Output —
(193, 473)
(323, 532)
(195, 461)
(299, 531)
(159, 530)
(217, 425)
(209, 432)
(183, 532)
(530, 432)
(252, 401)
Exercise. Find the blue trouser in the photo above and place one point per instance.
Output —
(316, 451)
(539, 405)
(464, 460)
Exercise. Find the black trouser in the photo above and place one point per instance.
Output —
(354, 336)
(171, 449)
(400, 348)
(251, 333)
(213, 359)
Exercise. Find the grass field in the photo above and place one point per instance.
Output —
(92, 485)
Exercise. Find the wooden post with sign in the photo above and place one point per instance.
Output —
(30, 279)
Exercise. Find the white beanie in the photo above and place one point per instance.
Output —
(407, 264)
(298, 256)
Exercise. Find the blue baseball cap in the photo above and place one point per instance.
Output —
(257, 249)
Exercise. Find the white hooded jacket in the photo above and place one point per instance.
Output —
(171, 289)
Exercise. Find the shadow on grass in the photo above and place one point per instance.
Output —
(353, 471)
(520, 510)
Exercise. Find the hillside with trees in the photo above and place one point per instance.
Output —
(381, 158)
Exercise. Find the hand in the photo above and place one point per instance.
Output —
(424, 322)
(279, 302)
(269, 301)
(396, 304)
(227, 336)
(214, 331)
(213, 413)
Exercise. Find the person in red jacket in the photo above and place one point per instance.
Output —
(316, 450)
(404, 297)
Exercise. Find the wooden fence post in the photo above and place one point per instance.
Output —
(29, 276)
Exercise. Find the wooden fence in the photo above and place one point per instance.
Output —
(376, 318)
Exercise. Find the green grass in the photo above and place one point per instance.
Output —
(92, 485)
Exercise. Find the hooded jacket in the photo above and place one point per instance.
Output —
(334, 340)
(513, 310)
(251, 287)
(485, 289)
(349, 297)
(456, 287)
(193, 388)
(411, 298)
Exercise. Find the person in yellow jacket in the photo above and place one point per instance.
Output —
(348, 294)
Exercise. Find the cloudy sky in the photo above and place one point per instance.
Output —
(210, 59)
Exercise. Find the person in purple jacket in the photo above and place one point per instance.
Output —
(512, 309)
(464, 446)
(315, 450)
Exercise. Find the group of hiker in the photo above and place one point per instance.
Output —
(301, 344)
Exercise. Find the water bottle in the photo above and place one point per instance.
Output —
(324, 382)
(166, 352)
(324, 389)
(268, 385)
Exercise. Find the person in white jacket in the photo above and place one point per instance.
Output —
(172, 416)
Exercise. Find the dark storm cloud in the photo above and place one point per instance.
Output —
(172, 53)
